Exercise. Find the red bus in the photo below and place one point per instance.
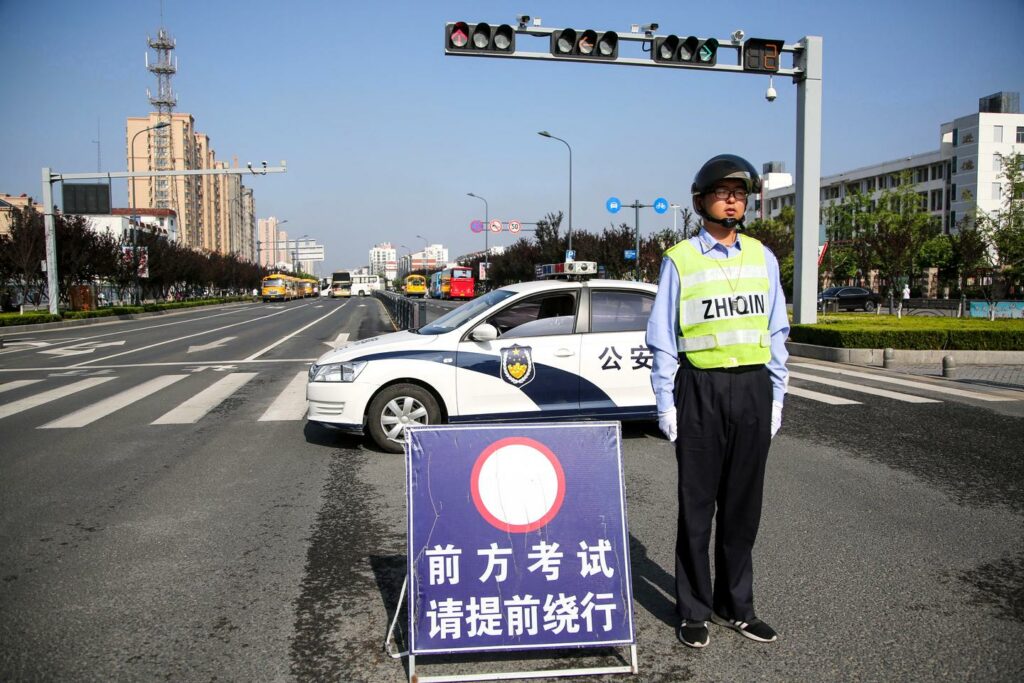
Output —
(457, 283)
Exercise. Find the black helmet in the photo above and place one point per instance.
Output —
(722, 167)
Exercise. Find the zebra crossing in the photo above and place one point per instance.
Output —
(288, 405)
(848, 386)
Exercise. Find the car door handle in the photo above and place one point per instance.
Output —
(564, 353)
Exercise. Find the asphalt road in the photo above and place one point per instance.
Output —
(143, 538)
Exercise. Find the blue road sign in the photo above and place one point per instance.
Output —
(517, 537)
(570, 254)
(613, 205)
(629, 254)
(660, 205)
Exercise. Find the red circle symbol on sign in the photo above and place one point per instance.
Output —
(514, 226)
(518, 485)
(495, 226)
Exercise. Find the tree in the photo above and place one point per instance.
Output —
(846, 224)
(1005, 227)
(23, 254)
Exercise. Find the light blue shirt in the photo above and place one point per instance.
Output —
(663, 325)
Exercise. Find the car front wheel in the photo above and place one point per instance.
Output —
(869, 306)
(397, 407)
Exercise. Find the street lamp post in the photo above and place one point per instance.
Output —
(675, 216)
(487, 228)
(426, 245)
(136, 294)
(546, 134)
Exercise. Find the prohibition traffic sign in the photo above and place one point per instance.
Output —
(477, 226)
(514, 226)
(495, 225)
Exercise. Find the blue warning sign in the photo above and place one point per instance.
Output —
(517, 538)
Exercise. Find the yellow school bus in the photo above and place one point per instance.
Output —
(415, 285)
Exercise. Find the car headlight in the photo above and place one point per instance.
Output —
(336, 372)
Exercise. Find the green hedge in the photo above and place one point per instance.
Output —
(34, 318)
(37, 317)
(913, 333)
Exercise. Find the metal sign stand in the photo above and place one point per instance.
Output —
(631, 668)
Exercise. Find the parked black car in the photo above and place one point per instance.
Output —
(848, 299)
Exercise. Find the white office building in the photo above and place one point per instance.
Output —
(961, 175)
(383, 261)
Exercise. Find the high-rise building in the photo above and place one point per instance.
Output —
(383, 261)
(273, 243)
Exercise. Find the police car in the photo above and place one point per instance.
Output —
(534, 351)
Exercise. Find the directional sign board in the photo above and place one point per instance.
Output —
(517, 536)
(629, 254)
(613, 205)
(660, 205)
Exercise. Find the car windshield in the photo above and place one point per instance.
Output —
(458, 316)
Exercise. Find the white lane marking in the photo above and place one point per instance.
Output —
(206, 400)
(906, 398)
(290, 404)
(79, 349)
(287, 337)
(823, 398)
(91, 413)
(952, 391)
(212, 345)
(339, 341)
(187, 336)
(17, 384)
(51, 395)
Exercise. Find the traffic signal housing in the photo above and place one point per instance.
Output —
(588, 44)
(762, 55)
(673, 49)
(461, 37)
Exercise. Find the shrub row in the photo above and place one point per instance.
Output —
(36, 317)
(921, 339)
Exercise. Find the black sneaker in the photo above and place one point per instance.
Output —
(693, 633)
(755, 629)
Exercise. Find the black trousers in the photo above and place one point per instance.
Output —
(724, 433)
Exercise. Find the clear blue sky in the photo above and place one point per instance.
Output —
(384, 135)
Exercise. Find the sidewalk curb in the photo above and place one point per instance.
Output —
(903, 356)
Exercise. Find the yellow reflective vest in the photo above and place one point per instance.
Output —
(723, 306)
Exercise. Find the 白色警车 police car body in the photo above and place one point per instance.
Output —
(546, 350)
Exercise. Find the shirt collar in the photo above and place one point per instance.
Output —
(709, 243)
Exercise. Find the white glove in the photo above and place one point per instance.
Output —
(667, 420)
(776, 417)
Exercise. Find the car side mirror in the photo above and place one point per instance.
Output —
(484, 332)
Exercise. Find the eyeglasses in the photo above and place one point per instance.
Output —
(724, 193)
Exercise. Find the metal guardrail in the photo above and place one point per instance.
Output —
(408, 314)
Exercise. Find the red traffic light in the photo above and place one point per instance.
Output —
(465, 38)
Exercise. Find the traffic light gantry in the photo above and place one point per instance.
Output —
(753, 55)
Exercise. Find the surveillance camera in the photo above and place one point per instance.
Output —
(264, 163)
(523, 19)
(737, 35)
(249, 164)
(650, 28)
(770, 93)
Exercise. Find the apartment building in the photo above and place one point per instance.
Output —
(962, 175)
(383, 261)
(215, 212)
(8, 203)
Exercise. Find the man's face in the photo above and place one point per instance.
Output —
(732, 203)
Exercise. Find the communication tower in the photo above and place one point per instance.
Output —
(164, 66)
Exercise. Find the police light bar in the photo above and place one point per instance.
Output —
(567, 269)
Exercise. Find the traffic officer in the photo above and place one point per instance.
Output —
(718, 330)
